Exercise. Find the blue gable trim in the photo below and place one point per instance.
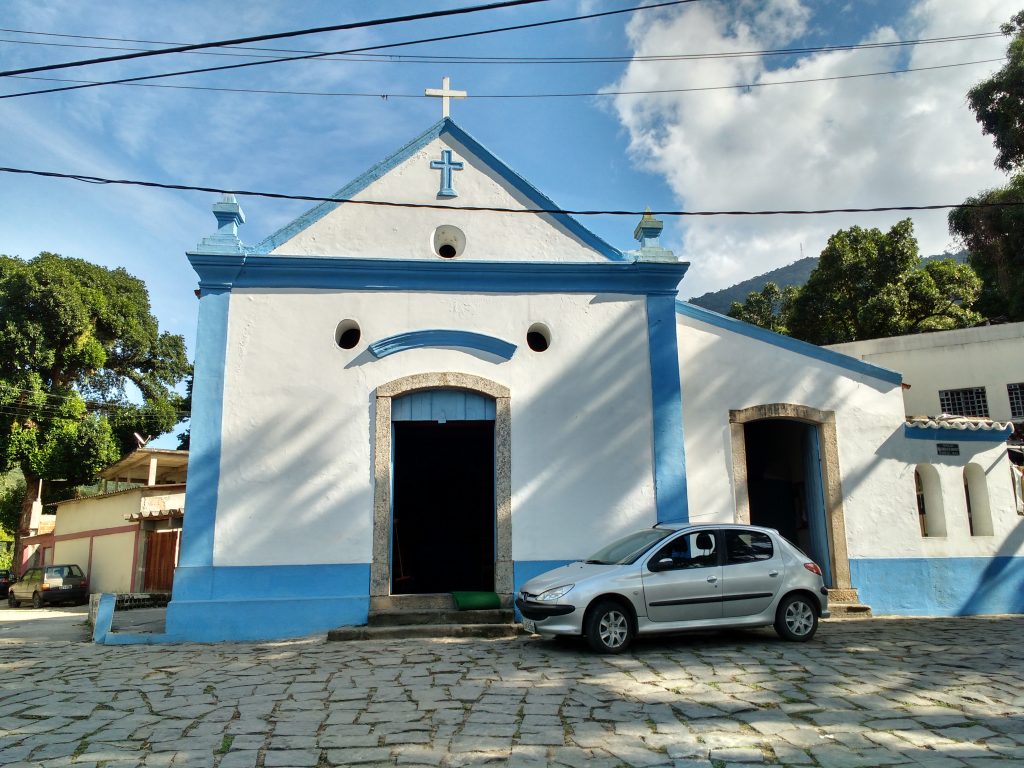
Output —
(667, 409)
(442, 127)
(442, 338)
(788, 343)
(334, 272)
(957, 435)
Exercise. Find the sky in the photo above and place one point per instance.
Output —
(886, 140)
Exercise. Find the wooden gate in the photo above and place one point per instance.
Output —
(161, 557)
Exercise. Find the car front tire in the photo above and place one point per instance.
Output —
(796, 619)
(609, 628)
(12, 600)
(37, 601)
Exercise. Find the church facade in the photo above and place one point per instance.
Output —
(460, 392)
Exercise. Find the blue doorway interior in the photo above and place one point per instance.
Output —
(443, 510)
(784, 484)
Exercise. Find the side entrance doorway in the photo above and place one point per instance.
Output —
(443, 492)
(784, 483)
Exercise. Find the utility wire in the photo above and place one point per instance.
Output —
(386, 96)
(276, 36)
(439, 38)
(543, 60)
(490, 209)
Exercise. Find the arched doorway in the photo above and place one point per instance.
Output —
(442, 509)
(792, 482)
(394, 431)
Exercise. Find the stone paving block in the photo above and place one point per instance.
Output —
(292, 758)
(358, 755)
(243, 758)
(738, 755)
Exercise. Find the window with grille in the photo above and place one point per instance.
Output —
(964, 402)
(1016, 393)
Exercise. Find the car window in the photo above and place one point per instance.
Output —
(629, 548)
(696, 549)
(748, 546)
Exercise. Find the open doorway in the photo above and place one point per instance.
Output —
(443, 507)
(784, 485)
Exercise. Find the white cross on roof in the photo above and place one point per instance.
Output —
(446, 95)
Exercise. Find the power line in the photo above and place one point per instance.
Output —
(386, 96)
(491, 209)
(436, 39)
(276, 36)
(541, 60)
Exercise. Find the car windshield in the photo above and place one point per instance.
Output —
(627, 549)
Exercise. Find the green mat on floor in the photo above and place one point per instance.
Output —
(476, 601)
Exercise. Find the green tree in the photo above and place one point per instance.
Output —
(76, 340)
(768, 308)
(993, 232)
(870, 284)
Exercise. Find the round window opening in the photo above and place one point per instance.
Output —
(448, 241)
(347, 335)
(538, 338)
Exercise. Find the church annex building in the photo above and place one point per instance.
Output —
(416, 400)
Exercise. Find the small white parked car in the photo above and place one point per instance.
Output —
(672, 578)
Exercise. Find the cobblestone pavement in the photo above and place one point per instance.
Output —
(909, 692)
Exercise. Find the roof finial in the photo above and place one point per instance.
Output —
(648, 234)
(229, 215)
(446, 95)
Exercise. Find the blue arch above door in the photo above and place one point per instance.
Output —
(443, 405)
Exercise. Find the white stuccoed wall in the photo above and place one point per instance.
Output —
(407, 233)
(722, 371)
(990, 356)
(296, 482)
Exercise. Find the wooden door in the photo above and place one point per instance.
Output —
(161, 554)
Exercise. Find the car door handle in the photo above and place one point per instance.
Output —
(773, 573)
(712, 579)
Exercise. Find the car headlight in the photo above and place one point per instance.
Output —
(556, 593)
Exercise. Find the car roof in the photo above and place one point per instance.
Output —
(734, 526)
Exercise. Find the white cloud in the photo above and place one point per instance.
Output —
(902, 139)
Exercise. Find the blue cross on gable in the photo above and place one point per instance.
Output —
(446, 165)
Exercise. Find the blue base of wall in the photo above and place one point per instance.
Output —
(934, 586)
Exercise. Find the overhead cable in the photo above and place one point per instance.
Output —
(275, 36)
(392, 58)
(575, 94)
(439, 38)
(494, 209)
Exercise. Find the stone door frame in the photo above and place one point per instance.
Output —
(380, 567)
(825, 422)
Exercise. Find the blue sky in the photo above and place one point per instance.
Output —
(875, 141)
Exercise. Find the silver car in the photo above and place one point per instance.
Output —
(671, 578)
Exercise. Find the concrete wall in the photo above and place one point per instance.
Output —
(93, 533)
(297, 456)
(990, 357)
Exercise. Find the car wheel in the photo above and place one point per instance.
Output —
(37, 601)
(609, 628)
(12, 601)
(796, 619)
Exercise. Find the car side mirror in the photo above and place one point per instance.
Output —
(664, 564)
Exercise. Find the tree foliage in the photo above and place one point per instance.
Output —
(869, 284)
(998, 102)
(768, 308)
(78, 345)
(994, 233)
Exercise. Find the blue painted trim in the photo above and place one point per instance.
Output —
(788, 343)
(341, 273)
(441, 338)
(957, 435)
(444, 126)
(205, 423)
(940, 586)
(218, 603)
(104, 617)
(667, 400)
